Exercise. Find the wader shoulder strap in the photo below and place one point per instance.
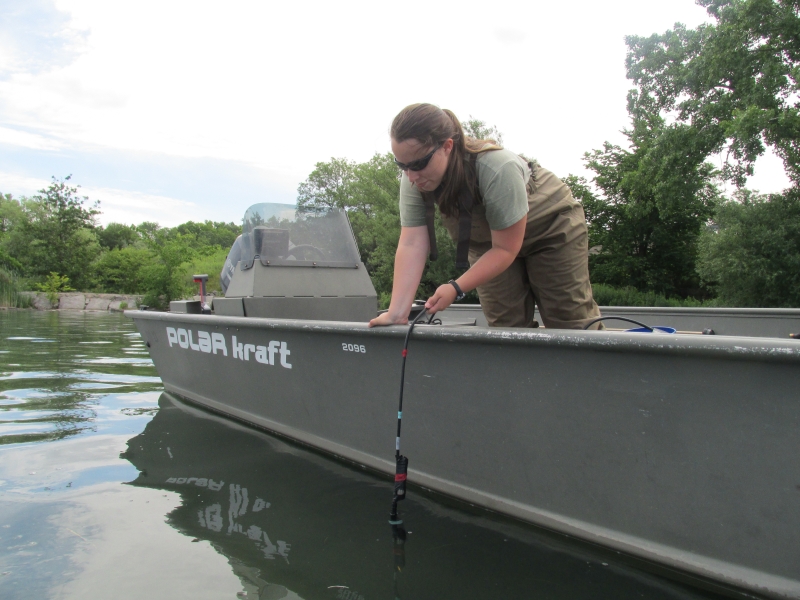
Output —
(465, 202)
(430, 209)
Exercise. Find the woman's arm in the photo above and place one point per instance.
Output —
(409, 261)
(506, 244)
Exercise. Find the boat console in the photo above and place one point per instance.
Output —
(295, 264)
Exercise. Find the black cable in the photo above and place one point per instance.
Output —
(401, 467)
(590, 323)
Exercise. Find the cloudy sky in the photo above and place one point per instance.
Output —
(171, 111)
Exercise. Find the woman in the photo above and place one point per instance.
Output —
(523, 233)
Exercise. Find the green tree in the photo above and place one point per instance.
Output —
(59, 232)
(210, 235)
(117, 236)
(751, 252)
(11, 215)
(119, 271)
(375, 217)
(653, 202)
(148, 230)
(481, 131)
(163, 277)
(328, 185)
(734, 82)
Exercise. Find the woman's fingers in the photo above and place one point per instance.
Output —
(441, 299)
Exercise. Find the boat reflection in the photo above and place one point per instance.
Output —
(295, 524)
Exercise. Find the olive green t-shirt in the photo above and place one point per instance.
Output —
(502, 177)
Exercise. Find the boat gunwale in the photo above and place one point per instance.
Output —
(762, 349)
(681, 310)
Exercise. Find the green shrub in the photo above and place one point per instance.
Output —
(210, 264)
(164, 279)
(607, 295)
(123, 305)
(751, 254)
(119, 271)
(54, 284)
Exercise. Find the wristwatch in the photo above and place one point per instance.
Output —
(459, 294)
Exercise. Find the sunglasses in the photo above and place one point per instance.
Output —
(419, 164)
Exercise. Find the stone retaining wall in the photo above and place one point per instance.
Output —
(81, 301)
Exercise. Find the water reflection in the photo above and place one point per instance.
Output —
(53, 394)
(292, 521)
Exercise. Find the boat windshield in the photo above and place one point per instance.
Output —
(283, 235)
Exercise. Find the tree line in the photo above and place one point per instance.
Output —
(52, 242)
(661, 230)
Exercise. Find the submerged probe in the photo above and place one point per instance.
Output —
(401, 462)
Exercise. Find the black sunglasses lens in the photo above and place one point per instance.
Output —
(416, 165)
(420, 164)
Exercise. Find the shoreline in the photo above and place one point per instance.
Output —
(84, 301)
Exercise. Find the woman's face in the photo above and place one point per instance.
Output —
(429, 178)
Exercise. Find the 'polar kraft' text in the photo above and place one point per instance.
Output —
(215, 342)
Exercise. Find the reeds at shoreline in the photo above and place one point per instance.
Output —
(10, 296)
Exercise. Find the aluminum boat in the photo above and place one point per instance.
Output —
(681, 449)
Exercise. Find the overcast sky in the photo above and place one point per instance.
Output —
(175, 111)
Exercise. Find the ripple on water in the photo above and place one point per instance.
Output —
(121, 378)
(116, 361)
(88, 385)
(28, 374)
(29, 393)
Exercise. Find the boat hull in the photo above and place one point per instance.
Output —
(677, 449)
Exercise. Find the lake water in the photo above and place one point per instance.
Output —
(110, 488)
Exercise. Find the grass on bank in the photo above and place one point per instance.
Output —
(606, 295)
(10, 287)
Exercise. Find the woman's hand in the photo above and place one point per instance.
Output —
(387, 319)
(409, 261)
(443, 297)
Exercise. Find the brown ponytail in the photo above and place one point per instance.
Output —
(432, 126)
